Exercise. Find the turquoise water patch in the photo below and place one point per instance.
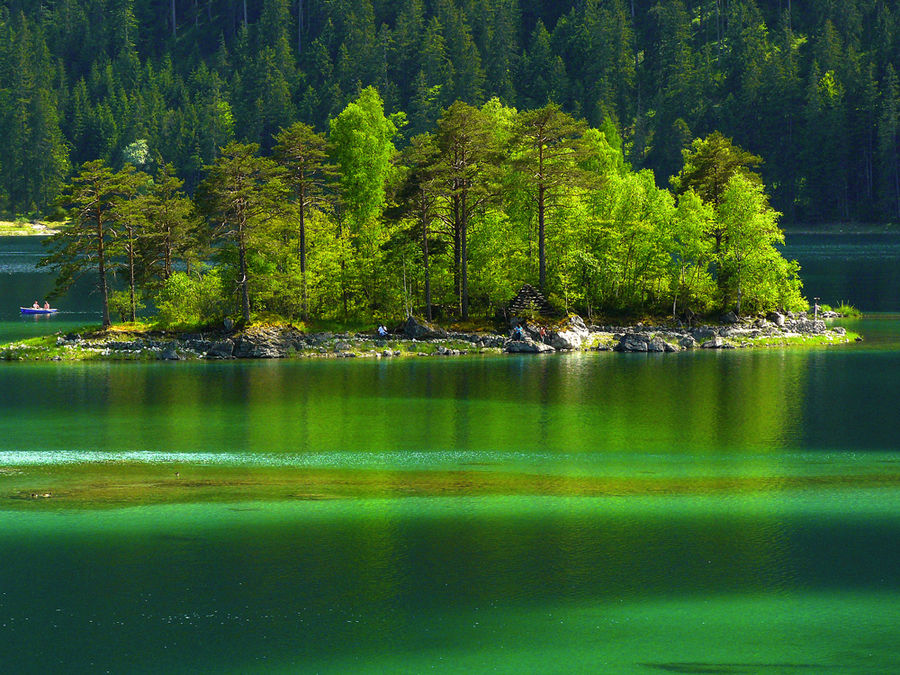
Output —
(799, 583)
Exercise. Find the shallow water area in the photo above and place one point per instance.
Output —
(706, 512)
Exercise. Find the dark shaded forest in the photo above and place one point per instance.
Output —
(810, 87)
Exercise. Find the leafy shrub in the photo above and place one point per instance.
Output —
(120, 303)
(191, 300)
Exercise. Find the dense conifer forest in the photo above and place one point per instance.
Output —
(354, 158)
(810, 87)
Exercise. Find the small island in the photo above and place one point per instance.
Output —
(348, 231)
(419, 338)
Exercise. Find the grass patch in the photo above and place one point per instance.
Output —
(818, 340)
(848, 310)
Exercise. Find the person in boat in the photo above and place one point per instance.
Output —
(46, 304)
(35, 305)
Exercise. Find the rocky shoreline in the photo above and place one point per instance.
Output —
(419, 338)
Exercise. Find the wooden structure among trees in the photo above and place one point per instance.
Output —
(530, 300)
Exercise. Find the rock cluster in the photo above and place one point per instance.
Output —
(417, 337)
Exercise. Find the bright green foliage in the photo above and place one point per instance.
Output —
(692, 250)
(361, 149)
(448, 227)
(754, 274)
(361, 142)
(187, 300)
(132, 231)
(125, 305)
(417, 201)
(807, 85)
(170, 233)
(464, 174)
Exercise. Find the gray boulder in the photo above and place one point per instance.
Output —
(714, 343)
(729, 317)
(703, 333)
(808, 326)
(576, 323)
(243, 349)
(494, 341)
(687, 342)
(776, 317)
(738, 333)
(572, 336)
(631, 342)
(656, 344)
(266, 350)
(168, 355)
(527, 347)
(567, 339)
(198, 345)
(221, 350)
(419, 329)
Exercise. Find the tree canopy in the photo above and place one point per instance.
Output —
(345, 227)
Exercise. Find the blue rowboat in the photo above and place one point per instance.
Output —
(32, 310)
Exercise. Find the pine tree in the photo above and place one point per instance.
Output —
(170, 223)
(88, 244)
(550, 152)
(239, 196)
(543, 73)
(463, 169)
(417, 198)
(303, 153)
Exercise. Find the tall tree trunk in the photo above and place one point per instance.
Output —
(245, 13)
(457, 225)
(174, 25)
(463, 258)
(245, 286)
(340, 237)
(167, 253)
(304, 298)
(132, 301)
(101, 268)
(425, 258)
(542, 257)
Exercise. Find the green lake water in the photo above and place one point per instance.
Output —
(732, 512)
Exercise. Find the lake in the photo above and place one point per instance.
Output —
(727, 512)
